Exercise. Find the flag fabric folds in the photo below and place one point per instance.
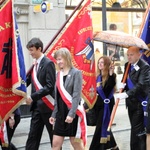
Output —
(12, 68)
(77, 37)
(145, 33)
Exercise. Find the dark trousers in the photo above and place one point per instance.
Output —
(38, 121)
(136, 117)
(10, 133)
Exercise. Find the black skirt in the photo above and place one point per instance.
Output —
(62, 128)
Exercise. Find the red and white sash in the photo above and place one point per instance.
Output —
(3, 135)
(48, 99)
(67, 98)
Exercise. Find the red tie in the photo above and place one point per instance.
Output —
(36, 66)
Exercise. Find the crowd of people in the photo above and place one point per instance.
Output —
(55, 101)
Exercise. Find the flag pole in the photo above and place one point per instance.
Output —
(117, 100)
(45, 49)
(144, 19)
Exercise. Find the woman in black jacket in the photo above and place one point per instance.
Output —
(106, 82)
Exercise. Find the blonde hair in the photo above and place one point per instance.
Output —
(64, 53)
(105, 74)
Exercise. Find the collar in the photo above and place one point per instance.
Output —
(135, 63)
(39, 59)
(136, 67)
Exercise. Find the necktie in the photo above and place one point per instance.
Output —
(36, 66)
(132, 67)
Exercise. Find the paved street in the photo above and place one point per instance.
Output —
(121, 132)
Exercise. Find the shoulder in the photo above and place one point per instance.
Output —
(112, 77)
(126, 64)
(47, 60)
(143, 64)
(75, 70)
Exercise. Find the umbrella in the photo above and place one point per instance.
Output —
(119, 39)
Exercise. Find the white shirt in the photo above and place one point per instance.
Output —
(135, 66)
(39, 60)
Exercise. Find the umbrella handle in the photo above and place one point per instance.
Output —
(117, 100)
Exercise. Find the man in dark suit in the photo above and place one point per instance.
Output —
(136, 96)
(42, 79)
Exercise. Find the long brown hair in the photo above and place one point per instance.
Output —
(105, 73)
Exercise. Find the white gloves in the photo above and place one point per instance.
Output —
(121, 85)
(121, 95)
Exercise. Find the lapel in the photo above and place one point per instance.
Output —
(134, 71)
(41, 66)
(68, 78)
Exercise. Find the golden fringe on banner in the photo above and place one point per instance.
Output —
(105, 139)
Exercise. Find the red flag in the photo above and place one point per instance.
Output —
(76, 36)
(12, 69)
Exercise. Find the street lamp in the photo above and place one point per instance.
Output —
(104, 24)
(104, 20)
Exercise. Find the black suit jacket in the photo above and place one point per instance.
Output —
(139, 78)
(46, 76)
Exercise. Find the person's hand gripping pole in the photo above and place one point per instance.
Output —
(118, 99)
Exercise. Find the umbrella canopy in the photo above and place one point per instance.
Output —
(120, 39)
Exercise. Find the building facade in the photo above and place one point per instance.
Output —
(37, 24)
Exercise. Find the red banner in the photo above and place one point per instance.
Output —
(76, 36)
(12, 70)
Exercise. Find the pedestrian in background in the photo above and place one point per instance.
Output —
(106, 82)
(42, 80)
(136, 91)
(113, 26)
(11, 124)
(114, 54)
(68, 106)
